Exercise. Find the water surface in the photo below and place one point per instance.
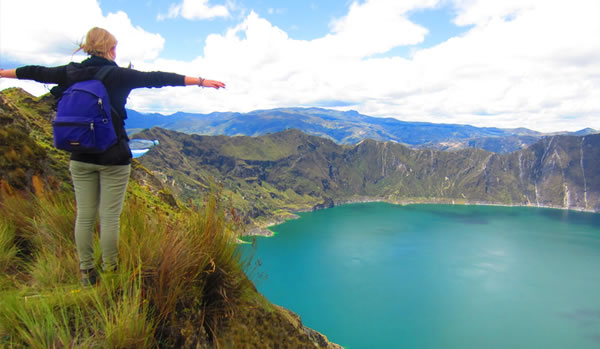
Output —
(377, 275)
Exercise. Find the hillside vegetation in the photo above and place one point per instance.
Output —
(180, 283)
(271, 176)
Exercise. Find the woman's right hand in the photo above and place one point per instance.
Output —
(213, 83)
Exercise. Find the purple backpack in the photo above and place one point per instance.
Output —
(83, 122)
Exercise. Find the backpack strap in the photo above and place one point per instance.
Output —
(117, 119)
(75, 73)
(102, 72)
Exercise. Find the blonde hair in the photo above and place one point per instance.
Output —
(98, 42)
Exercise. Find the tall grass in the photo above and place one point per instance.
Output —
(8, 253)
(174, 270)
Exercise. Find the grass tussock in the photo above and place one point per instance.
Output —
(179, 277)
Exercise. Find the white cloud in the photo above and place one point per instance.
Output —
(50, 34)
(523, 63)
(375, 27)
(29, 30)
(521, 70)
(195, 9)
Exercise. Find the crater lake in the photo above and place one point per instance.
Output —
(377, 275)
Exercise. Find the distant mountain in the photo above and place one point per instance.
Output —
(349, 127)
(497, 144)
(584, 132)
(270, 176)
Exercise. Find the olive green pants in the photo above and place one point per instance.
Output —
(99, 191)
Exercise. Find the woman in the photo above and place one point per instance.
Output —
(100, 180)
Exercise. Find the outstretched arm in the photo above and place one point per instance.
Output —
(47, 75)
(189, 80)
(8, 73)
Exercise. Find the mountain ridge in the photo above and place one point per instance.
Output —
(344, 127)
(272, 176)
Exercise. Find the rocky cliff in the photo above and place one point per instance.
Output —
(293, 171)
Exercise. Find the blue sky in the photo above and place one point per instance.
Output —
(302, 20)
(510, 63)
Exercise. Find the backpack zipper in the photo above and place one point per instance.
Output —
(71, 123)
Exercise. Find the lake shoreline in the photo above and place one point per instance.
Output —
(263, 230)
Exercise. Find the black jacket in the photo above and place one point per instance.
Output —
(119, 83)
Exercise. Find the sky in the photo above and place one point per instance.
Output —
(487, 63)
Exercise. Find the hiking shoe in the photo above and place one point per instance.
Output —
(89, 277)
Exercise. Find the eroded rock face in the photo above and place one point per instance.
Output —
(558, 171)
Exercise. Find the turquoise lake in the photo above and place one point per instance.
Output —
(376, 275)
